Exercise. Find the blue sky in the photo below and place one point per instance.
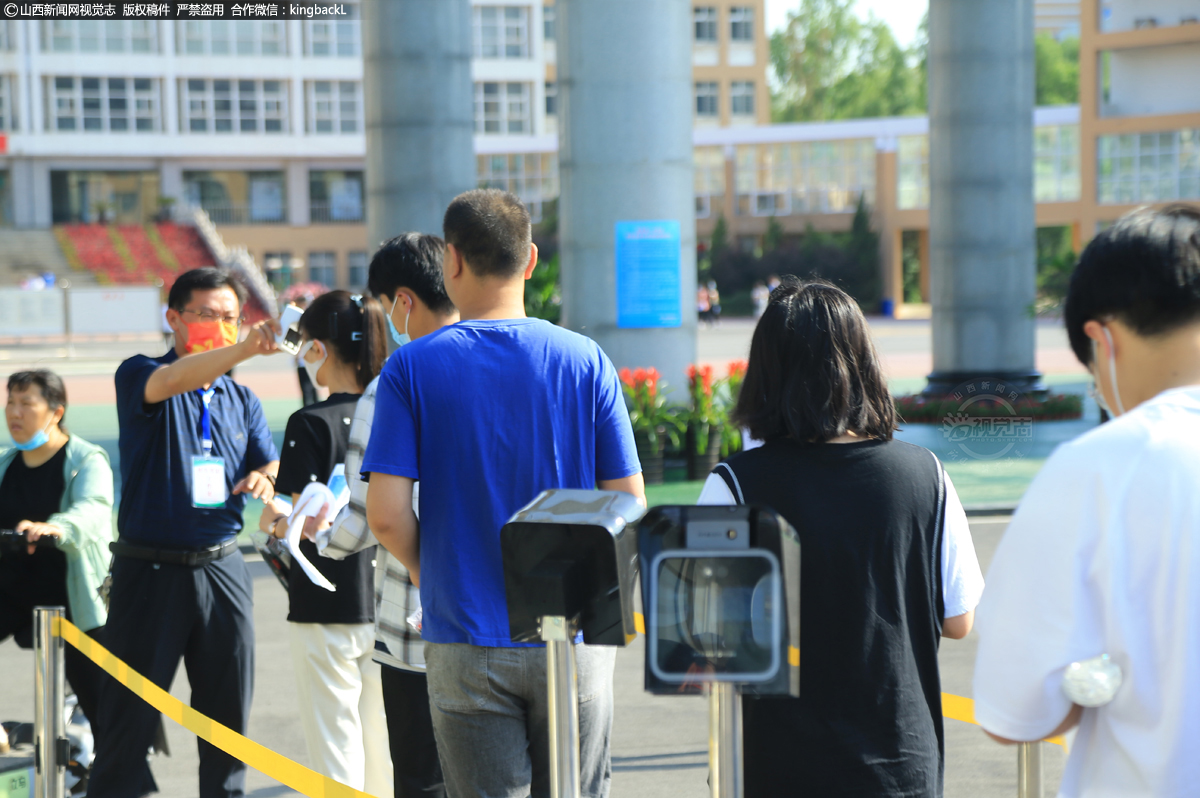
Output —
(904, 16)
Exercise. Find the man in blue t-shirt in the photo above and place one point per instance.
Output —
(486, 414)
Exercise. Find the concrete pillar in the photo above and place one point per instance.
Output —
(982, 246)
(625, 93)
(419, 108)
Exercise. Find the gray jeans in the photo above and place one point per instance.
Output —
(491, 719)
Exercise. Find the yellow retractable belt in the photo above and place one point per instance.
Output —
(299, 778)
(279, 767)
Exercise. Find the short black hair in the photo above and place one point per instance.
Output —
(813, 373)
(412, 261)
(492, 231)
(1143, 271)
(354, 327)
(206, 278)
(49, 383)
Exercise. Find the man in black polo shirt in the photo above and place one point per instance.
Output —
(194, 444)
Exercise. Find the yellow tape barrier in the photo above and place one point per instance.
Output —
(277, 766)
(954, 707)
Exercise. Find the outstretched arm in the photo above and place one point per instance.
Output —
(191, 372)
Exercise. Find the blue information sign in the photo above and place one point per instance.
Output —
(649, 262)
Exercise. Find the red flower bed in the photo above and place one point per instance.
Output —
(145, 256)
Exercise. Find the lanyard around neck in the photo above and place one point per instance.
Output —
(206, 420)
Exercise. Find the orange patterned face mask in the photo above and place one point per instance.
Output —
(205, 336)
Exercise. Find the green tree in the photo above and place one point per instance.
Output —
(831, 65)
(774, 235)
(720, 237)
(1056, 65)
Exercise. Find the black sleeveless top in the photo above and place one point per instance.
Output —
(869, 718)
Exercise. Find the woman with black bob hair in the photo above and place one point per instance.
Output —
(340, 694)
(887, 563)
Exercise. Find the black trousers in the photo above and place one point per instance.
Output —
(416, 771)
(160, 613)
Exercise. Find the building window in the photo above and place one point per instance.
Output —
(335, 106)
(234, 106)
(532, 177)
(340, 38)
(704, 20)
(804, 177)
(322, 268)
(8, 35)
(502, 108)
(1056, 163)
(741, 24)
(549, 23)
(8, 108)
(120, 197)
(912, 166)
(1150, 167)
(335, 196)
(551, 98)
(238, 197)
(357, 269)
(741, 98)
(231, 37)
(501, 31)
(117, 105)
(279, 267)
(706, 99)
(100, 36)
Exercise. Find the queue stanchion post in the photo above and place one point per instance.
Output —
(562, 687)
(1029, 770)
(570, 564)
(726, 775)
(51, 750)
(721, 589)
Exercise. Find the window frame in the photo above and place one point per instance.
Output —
(232, 41)
(105, 96)
(511, 27)
(744, 91)
(714, 98)
(708, 17)
(741, 24)
(337, 115)
(504, 102)
(128, 32)
(235, 102)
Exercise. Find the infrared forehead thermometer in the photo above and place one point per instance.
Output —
(288, 338)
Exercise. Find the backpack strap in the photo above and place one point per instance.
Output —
(939, 536)
(731, 481)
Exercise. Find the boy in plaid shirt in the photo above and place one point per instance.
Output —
(406, 276)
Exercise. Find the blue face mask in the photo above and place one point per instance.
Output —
(39, 439)
(397, 338)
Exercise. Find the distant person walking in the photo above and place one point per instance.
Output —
(760, 295)
(888, 566)
(486, 414)
(703, 305)
(714, 303)
(1103, 554)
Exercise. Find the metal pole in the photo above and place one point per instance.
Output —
(49, 732)
(1029, 770)
(725, 741)
(562, 688)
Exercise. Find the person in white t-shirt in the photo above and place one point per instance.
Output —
(1103, 555)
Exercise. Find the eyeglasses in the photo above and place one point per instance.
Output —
(208, 315)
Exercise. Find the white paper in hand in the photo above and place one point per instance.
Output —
(314, 497)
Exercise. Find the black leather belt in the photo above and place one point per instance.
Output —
(193, 558)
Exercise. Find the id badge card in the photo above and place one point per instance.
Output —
(208, 482)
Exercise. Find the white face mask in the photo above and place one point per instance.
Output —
(398, 338)
(312, 368)
(1112, 377)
